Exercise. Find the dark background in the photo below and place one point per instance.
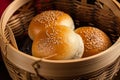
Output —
(3, 72)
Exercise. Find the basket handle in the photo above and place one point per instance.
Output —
(112, 5)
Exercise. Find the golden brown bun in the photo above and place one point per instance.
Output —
(94, 40)
(57, 43)
(47, 19)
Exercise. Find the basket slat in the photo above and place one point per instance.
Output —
(112, 6)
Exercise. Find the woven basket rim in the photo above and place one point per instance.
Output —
(87, 59)
(4, 23)
(82, 59)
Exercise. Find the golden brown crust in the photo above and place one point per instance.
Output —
(57, 42)
(94, 40)
(47, 19)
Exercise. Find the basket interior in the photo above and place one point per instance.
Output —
(91, 13)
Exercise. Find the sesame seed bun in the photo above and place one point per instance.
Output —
(95, 40)
(47, 19)
(57, 43)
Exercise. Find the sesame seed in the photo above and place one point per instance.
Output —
(48, 17)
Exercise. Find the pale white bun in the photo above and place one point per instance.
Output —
(48, 19)
(56, 43)
(95, 40)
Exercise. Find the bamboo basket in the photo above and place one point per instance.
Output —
(103, 14)
(3, 5)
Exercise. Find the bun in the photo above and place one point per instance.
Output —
(47, 19)
(57, 43)
(94, 40)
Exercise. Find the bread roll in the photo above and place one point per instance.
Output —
(94, 40)
(47, 19)
(57, 43)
